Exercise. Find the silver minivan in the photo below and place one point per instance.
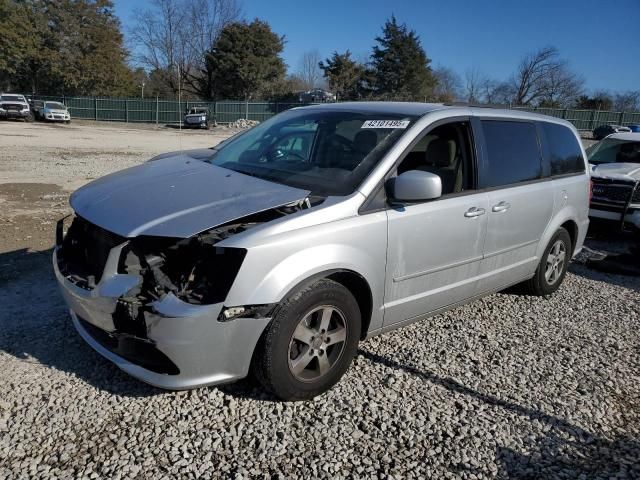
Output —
(281, 248)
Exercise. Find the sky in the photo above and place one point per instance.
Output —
(601, 40)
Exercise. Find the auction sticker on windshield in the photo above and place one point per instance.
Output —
(385, 124)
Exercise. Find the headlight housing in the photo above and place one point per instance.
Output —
(194, 269)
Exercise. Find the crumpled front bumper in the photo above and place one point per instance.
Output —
(184, 346)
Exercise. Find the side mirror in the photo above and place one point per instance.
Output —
(414, 186)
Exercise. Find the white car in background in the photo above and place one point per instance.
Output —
(13, 105)
(615, 174)
(55, 112)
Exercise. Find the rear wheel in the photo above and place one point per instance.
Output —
(310, 342)
(553, 265)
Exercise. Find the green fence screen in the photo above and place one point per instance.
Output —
(163, 112)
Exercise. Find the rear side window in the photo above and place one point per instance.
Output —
(564, 150)
(513, 154)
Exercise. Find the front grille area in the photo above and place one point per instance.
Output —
(619, 193)
(12, 106)
(84, 252)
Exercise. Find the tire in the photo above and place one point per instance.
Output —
(543, 282)
(28, 118)
(305, 315)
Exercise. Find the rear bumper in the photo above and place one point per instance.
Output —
(180, 346)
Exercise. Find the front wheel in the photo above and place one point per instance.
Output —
(553, 265)
(310, 342)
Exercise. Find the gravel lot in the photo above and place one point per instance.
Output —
(507, 387)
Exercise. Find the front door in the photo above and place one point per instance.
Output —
(435, 247)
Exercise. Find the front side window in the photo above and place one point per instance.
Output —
(565, 152)
(512, 155)
(328, 152)
(446, 151)
(614, 150)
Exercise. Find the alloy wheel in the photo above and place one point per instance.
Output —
(317, 343)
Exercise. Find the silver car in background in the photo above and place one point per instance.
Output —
(55, 112)
(280, 249)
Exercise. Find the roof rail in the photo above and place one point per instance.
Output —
(476, 105)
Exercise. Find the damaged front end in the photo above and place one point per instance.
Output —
(147, 299)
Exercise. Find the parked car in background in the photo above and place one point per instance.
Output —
(615, 173)
(197, 117)
(316, 95)
(55, 112)
(36, 108)
(634, 128)
(282, 248)
(603, 130)
(13, 105)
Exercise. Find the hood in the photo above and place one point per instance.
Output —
(629, 172)
(176, 197)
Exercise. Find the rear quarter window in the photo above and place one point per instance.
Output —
(513, 153)
(565, 154)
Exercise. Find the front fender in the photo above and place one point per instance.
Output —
(270, 272)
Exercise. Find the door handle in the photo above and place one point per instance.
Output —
(501, 207)
(474, 212)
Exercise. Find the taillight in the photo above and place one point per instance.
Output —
(590, 190)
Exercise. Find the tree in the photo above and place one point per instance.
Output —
(448, 86)
(344, 75)
(473, 84)
(245, 57)
(542, 77)
(627, 101)
(600, 100)
(400, 65)
(309, 69)
(71, 47)
(495, 92)
(91, 48)
(174, 36)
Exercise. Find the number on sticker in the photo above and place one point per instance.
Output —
(385, 124)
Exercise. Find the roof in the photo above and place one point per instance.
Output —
(419, 109)
(407, 108)
(625, 136)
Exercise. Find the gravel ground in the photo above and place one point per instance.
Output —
(507, 387)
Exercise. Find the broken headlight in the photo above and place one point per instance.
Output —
(193, 269)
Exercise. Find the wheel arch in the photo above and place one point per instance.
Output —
(352, 281)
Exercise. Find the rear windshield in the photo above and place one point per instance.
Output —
(325, 151)
(614, 150)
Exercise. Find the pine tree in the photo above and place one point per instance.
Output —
(245, 57)
(400, 65)
(344, 75)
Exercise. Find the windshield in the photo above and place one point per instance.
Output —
(324, 151)
(12, 98)
(55, 106)
(614, 150)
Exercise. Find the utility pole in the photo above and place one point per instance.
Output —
(142, 93)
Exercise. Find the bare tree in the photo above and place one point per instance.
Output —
(173, 37)
(309, 69)
(542, 77)
(495, 92)
(627, 101)
(473, 82)
(448, 85)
